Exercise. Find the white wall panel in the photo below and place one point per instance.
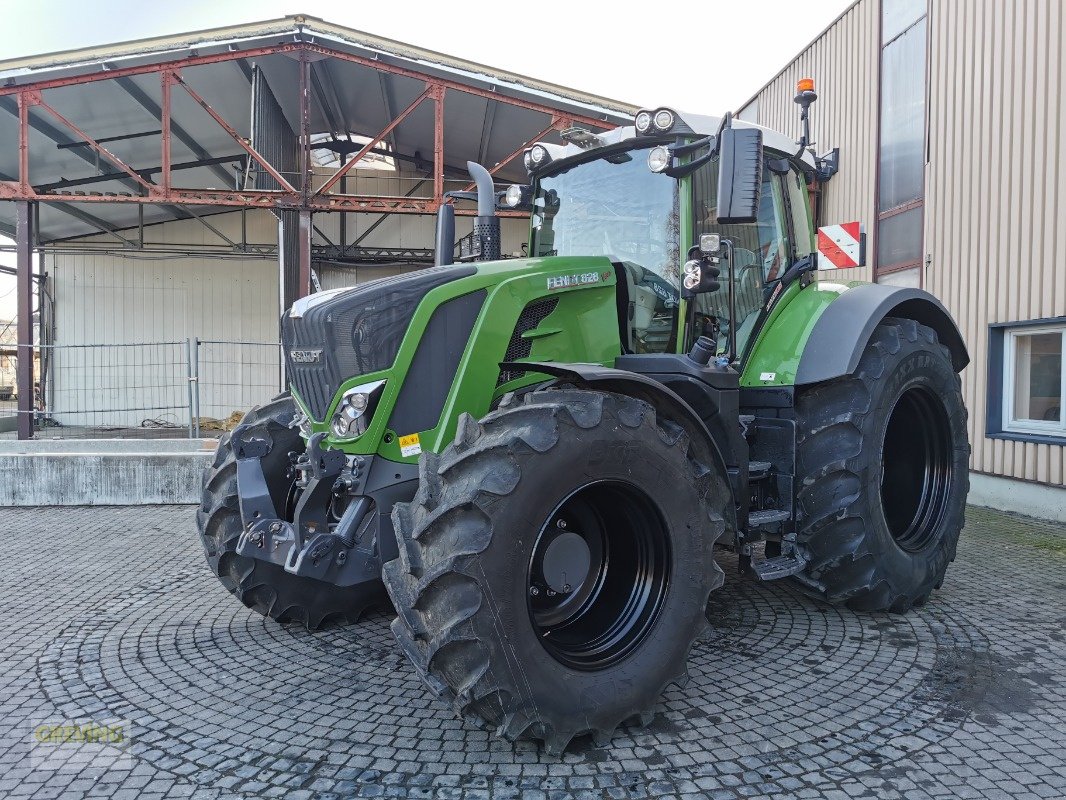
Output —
(112, 298)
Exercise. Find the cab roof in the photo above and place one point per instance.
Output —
(700, 125)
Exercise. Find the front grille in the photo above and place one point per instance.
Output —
(517, 348)
(357, 332)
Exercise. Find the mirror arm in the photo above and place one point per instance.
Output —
(682, 170)
(691, 147)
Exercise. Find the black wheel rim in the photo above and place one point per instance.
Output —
(916, 468)
(598, 575)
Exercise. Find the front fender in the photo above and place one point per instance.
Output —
(632, 384)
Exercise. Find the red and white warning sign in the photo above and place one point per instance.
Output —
(841, 246)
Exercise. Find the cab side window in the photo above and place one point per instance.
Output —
(762, 252)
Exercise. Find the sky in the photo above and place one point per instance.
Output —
(707, 57)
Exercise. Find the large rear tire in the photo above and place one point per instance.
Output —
(555, 564)
(882, 460)
(264, 587)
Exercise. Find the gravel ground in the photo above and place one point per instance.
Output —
(111, 618)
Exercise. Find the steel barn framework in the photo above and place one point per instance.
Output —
(108, 141)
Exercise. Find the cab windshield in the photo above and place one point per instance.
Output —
(615, 206)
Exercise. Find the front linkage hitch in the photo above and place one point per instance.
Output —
(307, 546)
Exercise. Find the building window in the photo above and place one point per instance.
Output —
(901, 148)
(1027, 381)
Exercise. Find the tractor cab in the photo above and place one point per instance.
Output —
(653, 197)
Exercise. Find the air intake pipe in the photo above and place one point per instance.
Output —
(444, 243)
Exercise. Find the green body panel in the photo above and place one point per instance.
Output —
(582, 328)
(773, 359)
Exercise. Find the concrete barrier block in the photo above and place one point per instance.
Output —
(88, 473)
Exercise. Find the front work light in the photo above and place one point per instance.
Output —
(658, 159)
(536, 157)
(642, 121)
(516, 195)
(355, 410)
(663, 120)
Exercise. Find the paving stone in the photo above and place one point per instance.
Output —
(961, 698)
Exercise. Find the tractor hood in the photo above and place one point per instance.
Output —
(332, 336)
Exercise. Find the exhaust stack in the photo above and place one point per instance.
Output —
(484, 241)
(486, 224)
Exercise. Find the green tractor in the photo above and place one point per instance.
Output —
(536, 460)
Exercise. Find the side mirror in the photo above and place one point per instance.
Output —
(739, 175)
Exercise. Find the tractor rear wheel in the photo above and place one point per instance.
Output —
(264, 587)
(555, 564)
(882, 460)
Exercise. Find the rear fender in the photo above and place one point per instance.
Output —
(818, 332)
(840, 335)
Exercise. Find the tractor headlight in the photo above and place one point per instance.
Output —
(658, 159)
(355, 410)
(663, 120)
(693, 274)
(642, 121)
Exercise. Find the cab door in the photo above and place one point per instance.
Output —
(762, 251)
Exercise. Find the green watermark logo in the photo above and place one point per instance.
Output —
(81, 743)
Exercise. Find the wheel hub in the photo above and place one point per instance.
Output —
(566, 562)
(598, 575)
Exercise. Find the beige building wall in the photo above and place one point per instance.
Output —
(995, 187)
(843, 62)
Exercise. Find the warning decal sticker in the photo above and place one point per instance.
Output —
(410, 445)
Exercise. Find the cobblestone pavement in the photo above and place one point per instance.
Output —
(111, 614)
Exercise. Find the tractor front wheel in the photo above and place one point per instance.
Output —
(555, 564)
(882, 461)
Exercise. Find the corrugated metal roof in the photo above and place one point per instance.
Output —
(352, 97)
(299, 27)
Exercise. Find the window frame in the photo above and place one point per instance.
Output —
(917, 204)
(1000, 422)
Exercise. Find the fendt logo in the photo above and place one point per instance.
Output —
(305, 356)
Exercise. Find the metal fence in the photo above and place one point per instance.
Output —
(195, 387)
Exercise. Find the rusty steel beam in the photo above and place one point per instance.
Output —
(336, 176)
(24, 226)
(25, 100)
(147, 69)
(95, 145)
(177, 131)
(488, 94)
(27, 192)
(438, 144)
(251, 198)
(304, 233)
(305, 126)
(167, 81)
